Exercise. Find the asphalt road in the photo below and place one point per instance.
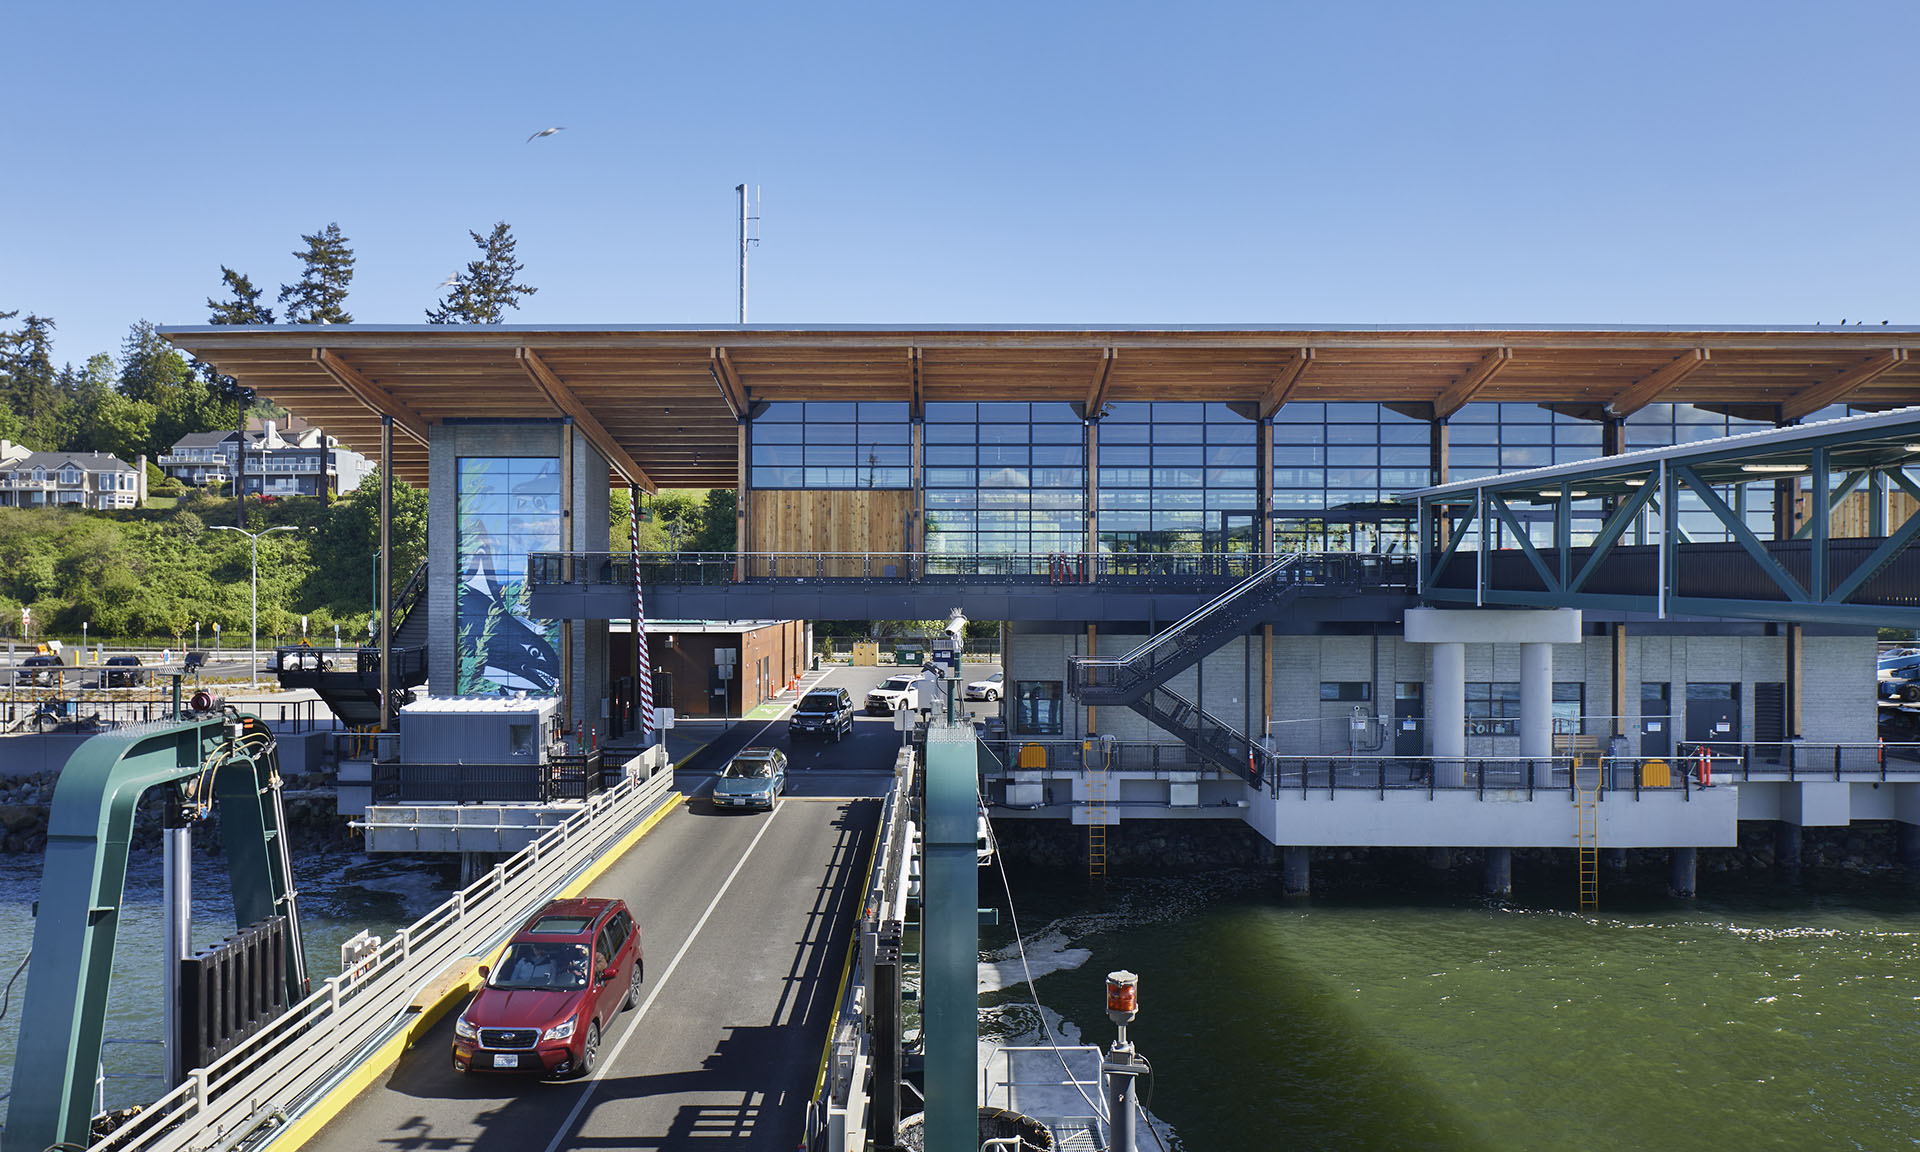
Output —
(746, 920)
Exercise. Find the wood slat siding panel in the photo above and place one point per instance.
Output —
(833, 521)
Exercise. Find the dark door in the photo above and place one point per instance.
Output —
(1770, 719)
(1713, 715)
(1656, 719)
(1409, 719)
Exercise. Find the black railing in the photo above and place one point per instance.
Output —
(1143, 570)
(573, 777)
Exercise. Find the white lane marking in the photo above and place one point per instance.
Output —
(594, 1081)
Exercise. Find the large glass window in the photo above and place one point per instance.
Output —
(1336, 467)
(1493, 709)
(1038, 707)
(1660, 425)
(837, 444)
(1005, 479)
(508, 506)
(1178, 477)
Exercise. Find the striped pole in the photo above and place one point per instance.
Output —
(642, 665)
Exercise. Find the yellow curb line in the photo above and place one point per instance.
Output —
(431, 1012)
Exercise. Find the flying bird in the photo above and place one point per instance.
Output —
(545, 132)
(450, 281)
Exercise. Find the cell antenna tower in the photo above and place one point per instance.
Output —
(749, 236)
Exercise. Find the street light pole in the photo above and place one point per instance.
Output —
(254, 537)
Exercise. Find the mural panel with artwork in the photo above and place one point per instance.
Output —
(509, 506)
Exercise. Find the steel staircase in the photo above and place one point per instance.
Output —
(352, 690)
(1138, 679)
(1105, 682)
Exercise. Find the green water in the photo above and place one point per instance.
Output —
(1754, 1017)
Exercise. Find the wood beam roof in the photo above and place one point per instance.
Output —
(1102, 378)
(1284, 382)
(1469, 385)
(597, 435)
(1837, 389)
(731, 389)
(1654, 385)
(372, 395)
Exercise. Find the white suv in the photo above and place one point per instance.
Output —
(893, 695)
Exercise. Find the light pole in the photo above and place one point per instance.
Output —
(255, 538)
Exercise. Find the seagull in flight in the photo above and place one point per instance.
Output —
(545, 132)
(450, 281)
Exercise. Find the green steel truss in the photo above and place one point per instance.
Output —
(226, 760)
(1474, 547)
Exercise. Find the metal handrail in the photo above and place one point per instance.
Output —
(1172, 631)
(290, 1063)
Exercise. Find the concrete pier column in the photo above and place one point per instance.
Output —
(1294, 874)
(1786, 846)
(1536, 700)
(1615, 859)
(1910, 847)
(1686, 862)
(1447, 714)
(1499, 872)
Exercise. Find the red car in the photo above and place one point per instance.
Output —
(561, 980)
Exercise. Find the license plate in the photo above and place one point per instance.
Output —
(506, 1060)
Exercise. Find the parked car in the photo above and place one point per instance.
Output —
(562, 978)
(823, 712)
(123, 672)
(752, 779)
(992, 688)
(42, 665)
(893, 694)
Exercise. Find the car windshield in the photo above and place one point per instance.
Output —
(542, 966)
(898, 683)
(820, 702)
(758, 768)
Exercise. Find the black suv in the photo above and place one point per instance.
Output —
(823, 712)
(42, 665)
(124, 672)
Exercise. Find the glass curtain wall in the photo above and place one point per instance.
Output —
(840, 444)
(1178, 477)
(1005, 479)
(508, 506)
(1661, 425)
(1488, 439)
(1335, 469)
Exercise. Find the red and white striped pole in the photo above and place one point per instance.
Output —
(642, 665)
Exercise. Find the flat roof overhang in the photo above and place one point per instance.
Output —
(664, 402)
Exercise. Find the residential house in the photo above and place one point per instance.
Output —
(96, 480)
(269, 458)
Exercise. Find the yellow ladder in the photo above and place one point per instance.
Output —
(1588, 807)
(1096, 817)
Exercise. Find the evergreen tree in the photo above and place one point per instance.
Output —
(244, 307)
(320, 295)
(32, 388)
(154, 372)
(483, 293)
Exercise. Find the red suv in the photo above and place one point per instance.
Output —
(560, 981)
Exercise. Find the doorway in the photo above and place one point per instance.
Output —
(1713, 716)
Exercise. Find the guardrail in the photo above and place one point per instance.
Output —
(559, 778)
(837, 1112)
(1180, 570)
(274, 1074)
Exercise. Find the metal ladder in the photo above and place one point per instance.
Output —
(1096, 765)
(1588, 808)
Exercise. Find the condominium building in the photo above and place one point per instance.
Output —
(96, 480)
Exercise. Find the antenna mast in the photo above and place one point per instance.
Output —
(748, 238)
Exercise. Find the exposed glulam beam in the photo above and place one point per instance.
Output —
(1477, 377)
(1102, 377)
(918, 408)
(596, 433)
(1284, 382)
(1809, 400)
(1655, 384)
(731, 390)
(372, 395)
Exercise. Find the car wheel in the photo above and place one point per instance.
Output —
(633, 988)
(1910, 693)
(590, 1049)
(991, 695)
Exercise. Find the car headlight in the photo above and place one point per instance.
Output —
(464, 1030)
(560, 1031)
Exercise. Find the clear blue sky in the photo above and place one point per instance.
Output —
(976, 162)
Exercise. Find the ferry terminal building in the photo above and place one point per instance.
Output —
(1090, 486)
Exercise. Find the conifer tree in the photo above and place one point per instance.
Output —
(244, 307)
(320, 295)
(483, 293)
